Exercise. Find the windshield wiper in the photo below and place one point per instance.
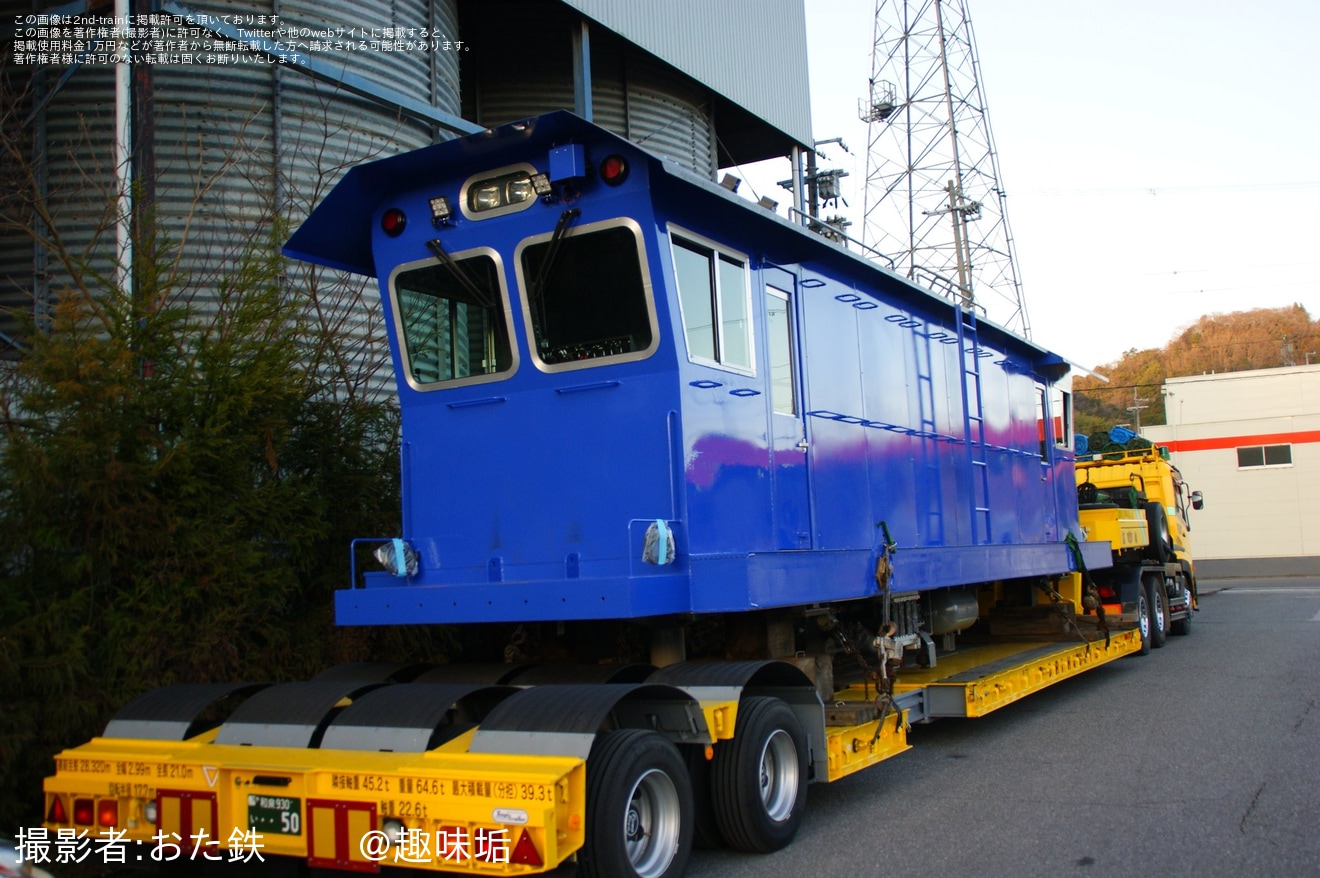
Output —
(548, 264)
(484, 298)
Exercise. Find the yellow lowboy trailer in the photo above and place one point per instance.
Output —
(223, 794)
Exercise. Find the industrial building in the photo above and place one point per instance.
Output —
(1250, 442)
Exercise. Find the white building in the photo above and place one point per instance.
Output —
(1250, 441)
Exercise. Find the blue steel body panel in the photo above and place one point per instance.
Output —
(528, 497)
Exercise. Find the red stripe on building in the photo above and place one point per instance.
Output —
(1296, 438)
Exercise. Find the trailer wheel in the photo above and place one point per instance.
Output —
(1143, 619)
(1159, 612)
(759, 779)
(639, 807)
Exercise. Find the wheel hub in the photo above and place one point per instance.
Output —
(651, 824)
(632, 824)
(778, 777)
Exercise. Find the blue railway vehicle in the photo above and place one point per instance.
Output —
(642, 355)
(653, 427)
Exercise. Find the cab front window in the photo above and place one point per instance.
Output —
(587, 296)
(451, 321)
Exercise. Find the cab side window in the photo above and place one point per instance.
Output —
(715, 299)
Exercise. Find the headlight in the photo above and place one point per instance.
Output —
(486, 197)
(520, 190)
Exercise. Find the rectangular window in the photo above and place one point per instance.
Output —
(779, 333)
(715, 300)
(1278, 455)
(696, 293)
(1042, 427)
(1063, 431)
(587, 297)
(1264, 455)
(451, 321)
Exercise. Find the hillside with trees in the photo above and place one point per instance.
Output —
(1264, 338)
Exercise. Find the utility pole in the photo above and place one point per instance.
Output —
(961, 212)
(1136, 408)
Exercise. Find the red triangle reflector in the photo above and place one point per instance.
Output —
(525, 852)
(57, 814)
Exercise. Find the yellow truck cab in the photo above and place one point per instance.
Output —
(1136, 500)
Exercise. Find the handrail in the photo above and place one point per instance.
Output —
(834, 230)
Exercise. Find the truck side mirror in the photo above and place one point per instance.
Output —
(1198, 500)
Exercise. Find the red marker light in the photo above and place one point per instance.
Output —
(614, 169)
(84, 812)
(393, 221)
(107, 812)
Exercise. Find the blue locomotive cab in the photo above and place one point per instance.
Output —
(536, 383)
(628, 392)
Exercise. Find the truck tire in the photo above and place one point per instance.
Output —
(1183, 626)
(639, 808)
(1157, 524)
(1143, 619)
(759, 779)
(1158, 604)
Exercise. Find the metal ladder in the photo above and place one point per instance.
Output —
(930, 491)
(974, 427)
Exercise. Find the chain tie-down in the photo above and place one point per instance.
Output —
(1090, 594)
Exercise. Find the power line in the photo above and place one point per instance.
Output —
(1166, 190)
(1109, 387)
(1227, 268)
(1198, 347)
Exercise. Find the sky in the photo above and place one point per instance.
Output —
(1161, 159)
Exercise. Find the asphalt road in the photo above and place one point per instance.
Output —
(1202, 758)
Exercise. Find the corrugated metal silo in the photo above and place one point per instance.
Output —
(634, 94)
(233, 145)
(647, 101)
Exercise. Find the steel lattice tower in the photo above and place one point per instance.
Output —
(933, 200)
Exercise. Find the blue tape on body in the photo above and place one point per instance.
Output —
(400, 560)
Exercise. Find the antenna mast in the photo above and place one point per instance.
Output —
(933, 199)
